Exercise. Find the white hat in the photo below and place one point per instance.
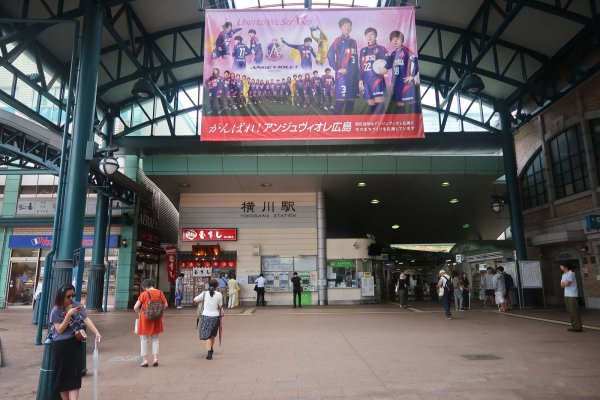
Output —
(442, 271)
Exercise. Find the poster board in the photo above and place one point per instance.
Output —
(531, 274)
(309, 74)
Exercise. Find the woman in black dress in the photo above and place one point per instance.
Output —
(67, 319)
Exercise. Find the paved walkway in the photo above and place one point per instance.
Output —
(350, 352)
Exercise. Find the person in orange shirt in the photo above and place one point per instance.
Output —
(149, 328)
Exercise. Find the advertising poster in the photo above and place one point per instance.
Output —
(311, 75)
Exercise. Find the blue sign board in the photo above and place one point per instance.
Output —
(45, 241)
(592, 222)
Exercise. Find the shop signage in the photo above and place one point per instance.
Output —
(171, 252)
(45, 241)
(202, 271)
(341, 263)
(209, 234)
(592, 222)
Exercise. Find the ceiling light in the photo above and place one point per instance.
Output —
(453, 201)
(395, 226)
(374, 201)
(143, 89)
(184, 185)
(361, 184)
(472, 84)
(466, 226)
(445, 184)
(266, 184)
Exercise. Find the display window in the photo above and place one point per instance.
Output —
(278, 272)
(27, 272)
(342, 274)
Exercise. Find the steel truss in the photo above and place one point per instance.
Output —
(531, 77)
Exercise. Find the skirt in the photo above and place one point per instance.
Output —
(68, 364)
(209, 327)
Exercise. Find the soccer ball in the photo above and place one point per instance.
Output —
(314, 27)
(379, 66)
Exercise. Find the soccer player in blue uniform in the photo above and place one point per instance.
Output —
(255, 47)
(328, 85)
(315, 86)
(227, 90)
(214, 85)
(306, 52)
(223, 40)
(239, 54)
(372, 83)
(405, 69)
(342, 57)
(300, 91)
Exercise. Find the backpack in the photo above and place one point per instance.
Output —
(154, 309)
(448, 286)
(508, 281)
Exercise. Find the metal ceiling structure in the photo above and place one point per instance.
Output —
(529, 53)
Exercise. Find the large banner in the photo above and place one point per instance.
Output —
(311, 75)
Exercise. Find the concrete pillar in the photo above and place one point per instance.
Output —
(321, 249)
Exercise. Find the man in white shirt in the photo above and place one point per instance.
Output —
(260, 290)
(232, 289)
(569, 283)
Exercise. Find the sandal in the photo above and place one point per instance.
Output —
(155, 364)
(144, 365)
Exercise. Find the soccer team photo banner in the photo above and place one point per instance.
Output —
(311, 75)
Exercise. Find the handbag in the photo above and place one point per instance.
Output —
(256, 288)
(80, 335)
(301, 289)
(199, 311)
(440, 291)
(135, 326)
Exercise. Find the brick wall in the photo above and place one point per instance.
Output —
(574, 207)
(536, 217)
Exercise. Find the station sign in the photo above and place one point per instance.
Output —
(209, 234)
(592, 222)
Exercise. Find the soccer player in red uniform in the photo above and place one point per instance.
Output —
(372, 83)
(342, 57)
(405, 70)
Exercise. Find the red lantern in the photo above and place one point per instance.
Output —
(232, 263)
(223, 264)
(215, 263)
(182, 265)
(191, 264)
(206, 264)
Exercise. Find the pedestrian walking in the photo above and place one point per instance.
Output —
(444, 284)
(223, 287)
(149, 307)
(212, 312)
(68, 319)
(232, 288)
(458, 299)
(466, 290)
(260, 290)
(179, 291)
(500, 289)
(568, 282)
(488, 284)
(297, 289)
(402, 286)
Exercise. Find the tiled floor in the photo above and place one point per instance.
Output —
(351, 352)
